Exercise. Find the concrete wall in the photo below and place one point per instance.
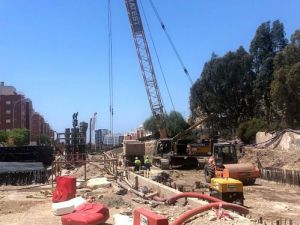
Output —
(163, 191)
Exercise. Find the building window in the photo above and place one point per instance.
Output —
(8, 121)
(8, 102)
(8, 111)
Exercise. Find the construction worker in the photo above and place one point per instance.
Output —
(147, 163)
(161, 149)
(137, 164)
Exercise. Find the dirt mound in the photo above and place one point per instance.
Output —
(280, 151)
(93, 170)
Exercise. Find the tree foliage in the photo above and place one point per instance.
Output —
(262, 85)
(285, 88)
(248, 129)
(225, 89)
(268, 40)
(43, 140)
(19, 136)
(175, 123)
(3, 137)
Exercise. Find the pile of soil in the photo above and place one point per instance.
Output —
(93, 170)
(268, 157)
(277, 150)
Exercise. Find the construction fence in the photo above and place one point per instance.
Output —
(291, 177)
(282, 221)
(71, 161)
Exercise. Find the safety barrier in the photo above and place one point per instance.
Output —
(291, 177)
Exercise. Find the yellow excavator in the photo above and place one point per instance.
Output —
(174, 153)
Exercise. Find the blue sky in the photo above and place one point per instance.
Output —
(56, 52)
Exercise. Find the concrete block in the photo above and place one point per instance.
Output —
(98, 183)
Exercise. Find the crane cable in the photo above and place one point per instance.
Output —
(163, 26)
(158, 59)
(110, 67)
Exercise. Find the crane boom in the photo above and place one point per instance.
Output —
(146, 65)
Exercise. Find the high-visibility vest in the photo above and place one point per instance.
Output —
(137, 162)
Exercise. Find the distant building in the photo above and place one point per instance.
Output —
(135, 135)
(37, 126)
(7, 90)
(83, 126)
(28, 114)
(12, 112)
(99, 137)
(16, 111)
(113, 139)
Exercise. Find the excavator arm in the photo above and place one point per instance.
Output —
(183, 133)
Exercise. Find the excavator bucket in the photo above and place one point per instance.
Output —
(247, 173)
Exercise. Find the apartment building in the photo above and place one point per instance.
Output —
(16, 111)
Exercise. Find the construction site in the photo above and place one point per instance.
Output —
(234, 160)
(170, 193)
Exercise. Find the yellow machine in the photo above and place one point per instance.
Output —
(227, 189)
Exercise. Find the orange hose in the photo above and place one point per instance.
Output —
(183, 217)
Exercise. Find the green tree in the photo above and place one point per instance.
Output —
(175, 123)
(285, 88)
(248, 129)
(225, 89)
(43, 140)
(3, 137)
(150, 124)
(268, 40)
(19, 136)
(295, 39)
